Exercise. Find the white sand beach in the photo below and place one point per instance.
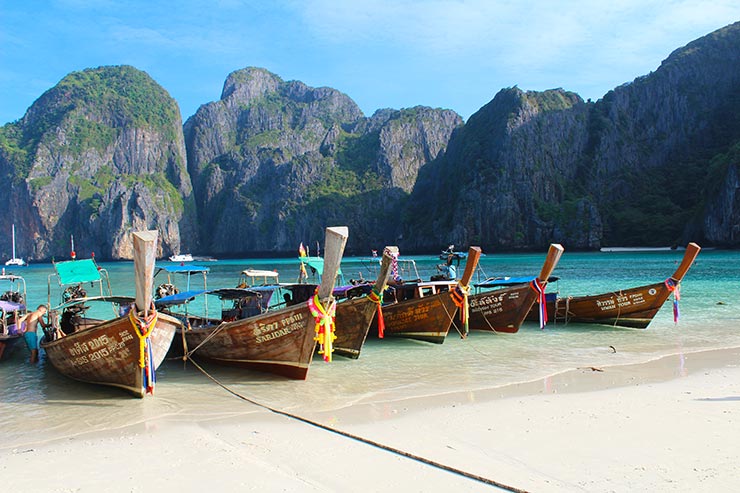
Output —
(668, 425)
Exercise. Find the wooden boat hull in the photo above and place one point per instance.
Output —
(425, 319)
(353, 321)
(501, 310)
(108, 353)
(279, 342)
(633, 308)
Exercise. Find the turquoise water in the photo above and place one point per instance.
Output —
(388, 371)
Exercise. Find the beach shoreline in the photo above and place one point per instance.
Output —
(665, 425)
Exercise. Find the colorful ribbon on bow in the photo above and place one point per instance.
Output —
(460, 297)
(394, 263)
(675, 288)
(539, 288)
(324, 318)
(377, 298)
(143, 329)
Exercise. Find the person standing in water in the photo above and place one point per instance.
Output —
(32, 320)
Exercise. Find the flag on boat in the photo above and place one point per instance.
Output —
(302, 274)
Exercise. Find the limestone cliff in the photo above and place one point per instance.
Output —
(649, 164)
(98, 156)
(273, 162)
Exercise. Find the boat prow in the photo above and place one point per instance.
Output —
(122, 352)
(426, 310)
(506, 306)
(280, 341)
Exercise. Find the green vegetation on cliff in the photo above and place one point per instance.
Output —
(122, 95)
(91, 107)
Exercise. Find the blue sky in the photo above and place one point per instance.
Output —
(453, 54)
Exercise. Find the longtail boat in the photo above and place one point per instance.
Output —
(12, 308)
(633, 307)
(121, 352)
(505, 307)
(426, 310)
(280, 341)
(355, 315)
(356, 306)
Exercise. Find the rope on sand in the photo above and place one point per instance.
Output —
(367, 441)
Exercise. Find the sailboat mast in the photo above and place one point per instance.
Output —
(13, 240)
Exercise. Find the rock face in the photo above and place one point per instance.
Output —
(504, 175)
(274, 162)
(98, 156)
(649, 164)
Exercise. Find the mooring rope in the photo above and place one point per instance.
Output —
(462, 336)
(418, 458)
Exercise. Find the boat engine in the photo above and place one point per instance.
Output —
(12, 296)
(74, 293)
(165, 290)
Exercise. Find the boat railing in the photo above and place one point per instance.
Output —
(406, 268)
(186, 271)
(15, 290)
(72, 275)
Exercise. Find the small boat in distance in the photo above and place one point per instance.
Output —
(637, 249)
(18, 262)
(181, 257)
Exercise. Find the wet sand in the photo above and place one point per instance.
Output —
(672, 424)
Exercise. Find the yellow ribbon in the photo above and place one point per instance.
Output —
(148, 327)
(324, 318)
(460, 297)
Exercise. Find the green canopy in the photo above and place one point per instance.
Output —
(316, 263)
(77, 271)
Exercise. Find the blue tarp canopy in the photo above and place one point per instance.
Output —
(183, 269)
(222, 293)
(499, 282)
(178, 298)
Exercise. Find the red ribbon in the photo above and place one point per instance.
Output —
(539, 287)
(377, 298)
(675, 288)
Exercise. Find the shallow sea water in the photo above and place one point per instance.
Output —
(48, 406)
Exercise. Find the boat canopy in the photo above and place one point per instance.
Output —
(9, 306)
(352, 290)
(239, 293)
(260, 273)
(317, 264)
(498, 282)
(118, 300)
(222, 293)
(183, 269)
(10, 277)
(178, 298)
(77, 271)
